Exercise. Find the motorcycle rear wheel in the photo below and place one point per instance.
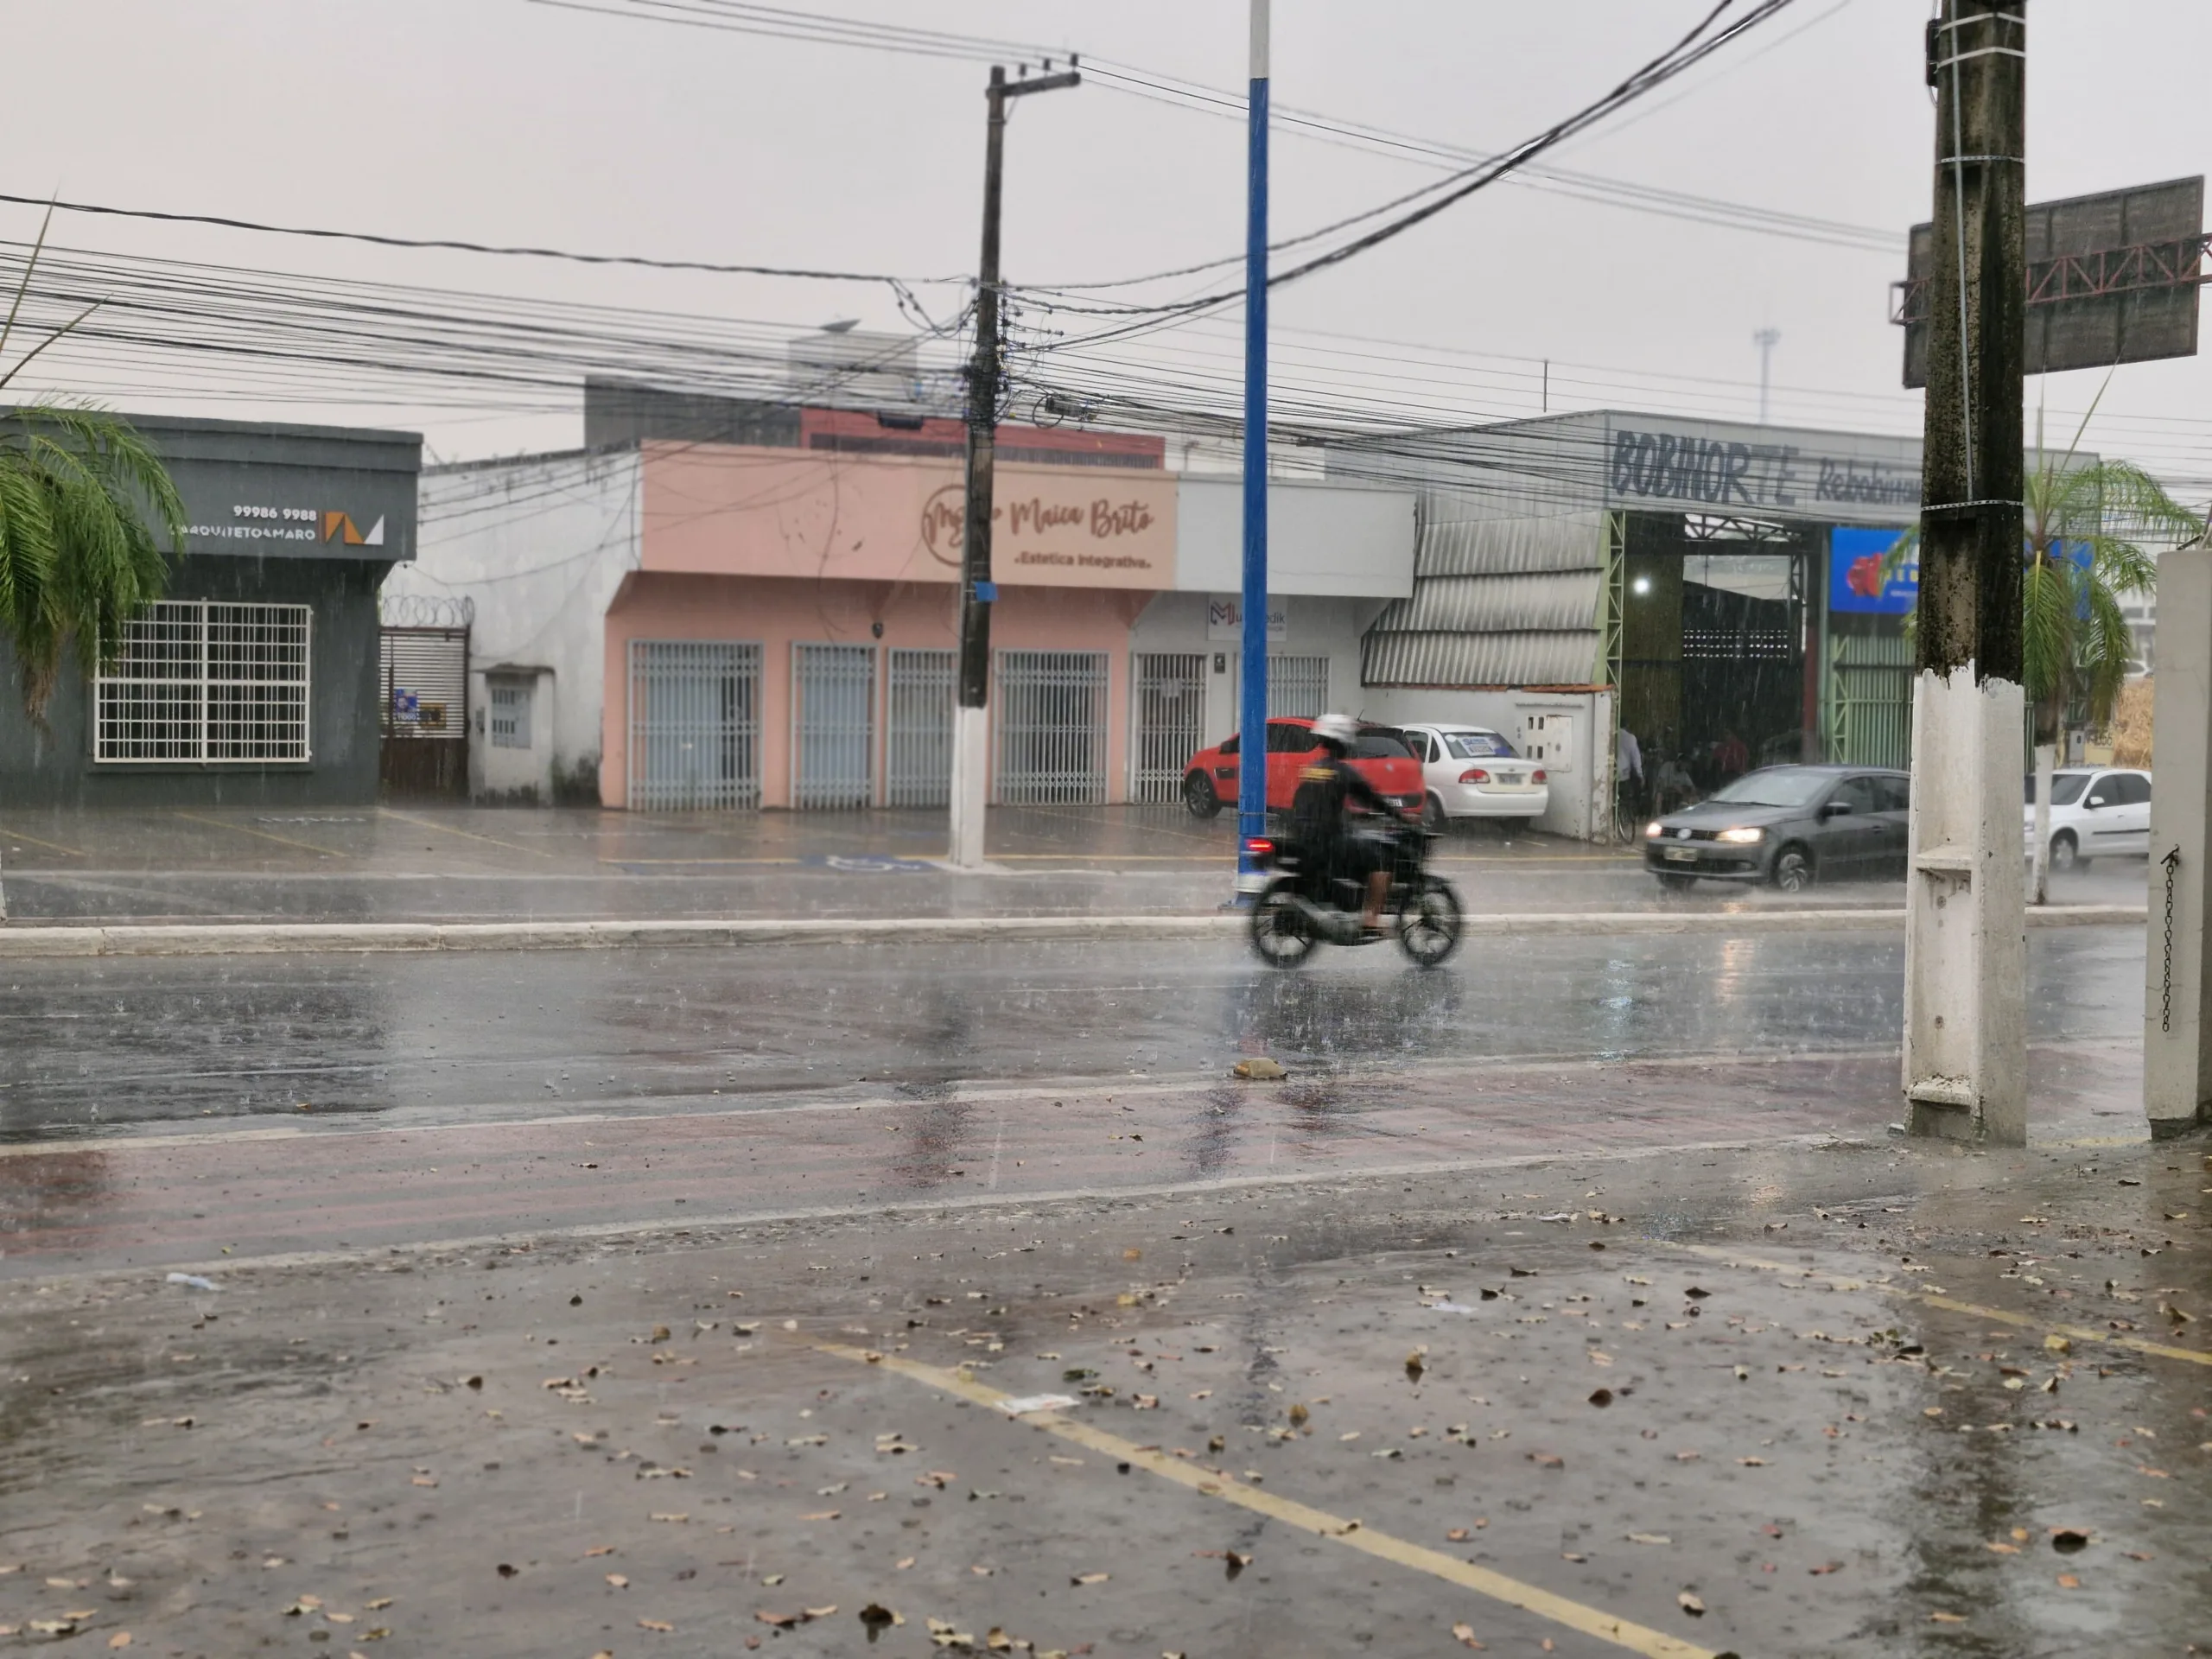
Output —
(1281, 933)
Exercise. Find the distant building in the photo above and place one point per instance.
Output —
(718, 603)
(255, 680)
(1714, 588)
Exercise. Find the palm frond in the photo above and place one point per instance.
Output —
(79, 557)
(2048, 602)
(2103, 644)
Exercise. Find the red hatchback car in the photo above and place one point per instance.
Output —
(1378, 755)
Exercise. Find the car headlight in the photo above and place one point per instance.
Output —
(1742, 837)
(1651, 829)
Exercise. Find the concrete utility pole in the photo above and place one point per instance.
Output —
(1966, 939)
(2177, 997)
(1766, 340)
(971, 723)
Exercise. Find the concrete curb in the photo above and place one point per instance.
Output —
(255, 938)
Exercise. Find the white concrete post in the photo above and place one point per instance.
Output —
(1966, 953)
(2177, 1013)
(971, 785)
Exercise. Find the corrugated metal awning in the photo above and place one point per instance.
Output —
(1565, 657)
(1547, 600)
(1484, 546)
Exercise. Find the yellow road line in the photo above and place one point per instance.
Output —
(469, 835)
(1353, 1535)
(51, 846)
(282, 840)
(1952, 1305)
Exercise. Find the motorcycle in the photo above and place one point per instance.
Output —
(1297, 904)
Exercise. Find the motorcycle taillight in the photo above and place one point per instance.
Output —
(1258, 848)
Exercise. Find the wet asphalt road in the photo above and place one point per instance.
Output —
(1903, 1401)
(94, 1044)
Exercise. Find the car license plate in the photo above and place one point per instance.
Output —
(1509, 777)
(1680, 854)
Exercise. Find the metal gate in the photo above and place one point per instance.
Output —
(695, 725)
(1168, 695)
(833, 726)
(1298, 687)
(422, 675)
(1870, 701)
(1052, 728)
(918, 728)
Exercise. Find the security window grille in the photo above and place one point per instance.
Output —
(202, 683)
(833, 726)
(918, 768)
(1171, 704)
(1298, 687)
(511, 714)
(1052, 728)
(695, 725)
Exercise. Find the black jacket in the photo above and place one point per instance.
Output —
(1324, 788)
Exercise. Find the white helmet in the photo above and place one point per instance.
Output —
(1339, 729)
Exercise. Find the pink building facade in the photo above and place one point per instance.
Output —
(724, 627)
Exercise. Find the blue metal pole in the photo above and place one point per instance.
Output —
(1252, 713)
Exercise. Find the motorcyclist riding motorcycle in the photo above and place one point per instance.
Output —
(1323, 825)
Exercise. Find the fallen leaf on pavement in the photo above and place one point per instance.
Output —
(877, 1616)
(1691, 1604)
(1650, 1538)
(660, 1625)
(1465, 1636)
(1090, 1577)
(1947, 1618)
(120, 1639)
(2068, 1581)
(618, 1580)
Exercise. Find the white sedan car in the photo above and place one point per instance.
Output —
(2095, 812)
(1471, 772)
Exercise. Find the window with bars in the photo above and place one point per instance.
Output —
(202, 682)
(510, 700)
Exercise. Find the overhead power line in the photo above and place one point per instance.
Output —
(569, 255)
(741, 17)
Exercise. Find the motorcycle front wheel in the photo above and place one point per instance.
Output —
(1429, 926)
(1279, 930)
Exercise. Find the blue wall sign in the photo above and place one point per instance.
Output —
(1855, 559)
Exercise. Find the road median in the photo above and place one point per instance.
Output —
(262, 938)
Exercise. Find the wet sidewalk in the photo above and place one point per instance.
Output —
(1807, 1401)
(432, 863)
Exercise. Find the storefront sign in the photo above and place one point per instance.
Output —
(1225, 619)
(752, 511)
(1036, 532)
(260, 522)
(1712, 471)
(1856, 583)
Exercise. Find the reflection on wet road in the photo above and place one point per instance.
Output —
(433, 1039)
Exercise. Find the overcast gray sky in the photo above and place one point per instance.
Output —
(503, 120)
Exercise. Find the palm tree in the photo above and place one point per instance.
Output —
(77, 556)
(2083, 553)
(2086, 530)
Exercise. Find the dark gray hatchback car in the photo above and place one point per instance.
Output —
(1790, 825)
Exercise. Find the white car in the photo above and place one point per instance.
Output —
(1471, 772)
(2095, 812)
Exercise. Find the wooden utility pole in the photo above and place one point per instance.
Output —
(1966, 950)
(971, 718)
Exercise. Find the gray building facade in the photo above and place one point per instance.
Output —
(254, 680)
